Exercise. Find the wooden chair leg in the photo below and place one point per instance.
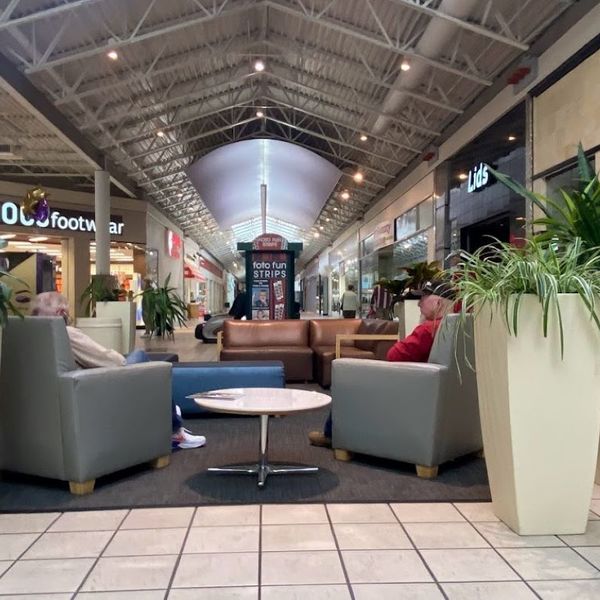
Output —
(81, 488)
(342, 455)
(161, 462)
(426, 472)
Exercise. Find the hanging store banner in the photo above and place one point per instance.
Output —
(383, 235)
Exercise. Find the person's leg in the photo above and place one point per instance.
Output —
(322, 438)
(136, 357)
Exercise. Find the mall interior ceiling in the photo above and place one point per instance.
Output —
(147, 87)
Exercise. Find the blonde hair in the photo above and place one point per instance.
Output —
(50, 304)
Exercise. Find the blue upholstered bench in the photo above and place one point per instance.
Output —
(191, 378)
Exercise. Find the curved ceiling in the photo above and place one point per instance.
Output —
(298, 182)
(151, 86)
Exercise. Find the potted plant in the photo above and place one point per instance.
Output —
(396, 288)
(102, 288)
(163, 309)
(537, 335)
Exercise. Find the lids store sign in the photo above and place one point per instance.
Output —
(61, 220)
(479, 178)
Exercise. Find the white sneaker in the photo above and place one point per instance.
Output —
(185, 440)
(178, 410)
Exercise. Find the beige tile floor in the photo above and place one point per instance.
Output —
(431, 551)
(293, 552)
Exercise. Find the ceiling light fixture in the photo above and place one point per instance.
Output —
(358, 176)
(335, 209)
(39, 238)
(160, 133)
(321, 227)
(363, 138)
(512, 138)
(463, 176)
(405, 65)
(260, 114)
(316, 234)
(259, 66)
(8, 236)
(112, 54)
(345, 195)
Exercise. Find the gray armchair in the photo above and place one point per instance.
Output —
(420, 413)
(71, 424)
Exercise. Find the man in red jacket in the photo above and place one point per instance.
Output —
(437, 300)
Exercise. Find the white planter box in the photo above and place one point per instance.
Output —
(107, 332)
(124, 311)
(540, 416)
(412, 315)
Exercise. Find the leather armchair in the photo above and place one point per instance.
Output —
(421, 413)
(72, 424)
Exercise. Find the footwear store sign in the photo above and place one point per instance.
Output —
(58, 219)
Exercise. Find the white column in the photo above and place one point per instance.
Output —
(102, 207)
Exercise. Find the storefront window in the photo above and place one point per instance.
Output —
(425, 213)
(411, 250)
(406, 224)
(367, 245)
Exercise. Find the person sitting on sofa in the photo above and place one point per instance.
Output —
(88, 354)
(437, 300)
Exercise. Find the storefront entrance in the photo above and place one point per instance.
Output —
(485, 233)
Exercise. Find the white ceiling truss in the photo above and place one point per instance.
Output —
(184, 85)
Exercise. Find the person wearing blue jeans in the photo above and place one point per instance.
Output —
(89, 354)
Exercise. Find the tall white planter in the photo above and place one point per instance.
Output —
(107, 332)
(412, 315)
(540, 416)
(124, 311)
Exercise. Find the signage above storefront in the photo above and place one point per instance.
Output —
(269, 241)
(62, 220)
(383, 235)
(479, 178)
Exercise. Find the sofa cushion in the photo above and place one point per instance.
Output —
(323, 331)
(375, 327)
(297, 360)
(248, 334)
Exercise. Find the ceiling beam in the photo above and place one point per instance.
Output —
(340, 27)
(426, 9)
(134, 36)
(28, 96)
(47, 13)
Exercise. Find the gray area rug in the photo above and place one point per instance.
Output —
(233, 440)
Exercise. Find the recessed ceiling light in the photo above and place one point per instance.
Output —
(363, 138)
(316, 234)
(39, 238)
(463, 176)
(8, 236)
(321, 227)
(335, 209)
(112, 54)
(358, 176)
(327, 220)
(345, 195)
(512, 138)
(260, 114)
(259, 66)
(160, 133)
(405, 65)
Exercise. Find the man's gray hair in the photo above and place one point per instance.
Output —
(50, 304)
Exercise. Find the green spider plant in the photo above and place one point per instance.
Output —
(7, 306)
(500, 275)
(576, 215)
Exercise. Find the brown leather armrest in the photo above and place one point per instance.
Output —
(361, 336)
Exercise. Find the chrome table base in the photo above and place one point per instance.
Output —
(262, 468)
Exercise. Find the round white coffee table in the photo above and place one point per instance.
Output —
(263, 402)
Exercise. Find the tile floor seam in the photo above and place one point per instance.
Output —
(429, 570)
(180, 554)
(574, 548)
(40, 534)
(339, 552)
(495, 549)
(97, 559)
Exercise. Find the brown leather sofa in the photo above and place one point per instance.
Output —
(306, 348)
(323, 334)
(286, 341)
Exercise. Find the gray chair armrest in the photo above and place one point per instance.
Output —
(396, 411)
(114, 417)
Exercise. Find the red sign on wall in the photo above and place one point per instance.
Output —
(173, 242)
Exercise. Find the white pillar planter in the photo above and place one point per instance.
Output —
(124, 311)
(107, 332)
(412, 315)
(540, 416)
